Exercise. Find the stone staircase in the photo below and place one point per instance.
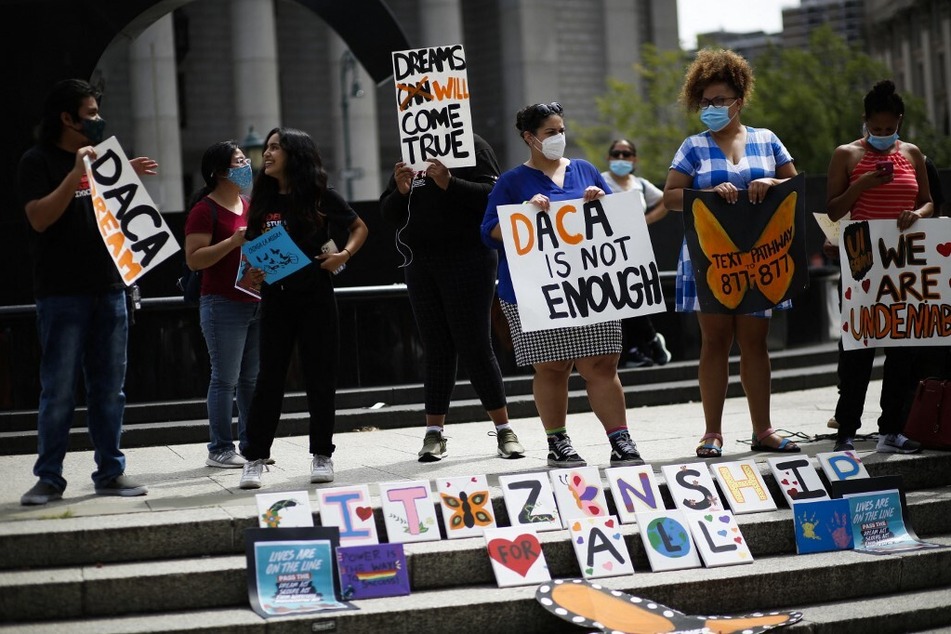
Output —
(184, 571)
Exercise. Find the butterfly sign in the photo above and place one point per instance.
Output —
(797, 479)
(600, 547)
(589, 605)
(743, 486)
(578, 493)
(530, 502)
(691, 487)
(718, 538)
(634, 489)
(466, 505)
(349, 509)
(747, 257)
(516, 556)
(666, 538)
(283, 510)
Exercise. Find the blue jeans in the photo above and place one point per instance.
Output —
(232, 333)
(88, 332)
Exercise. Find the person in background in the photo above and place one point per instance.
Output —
(594, 349)
(450, 276)
(878, 177)
(230, 318)
(648, 347)
(81, 315)
(732, 160)
(291, 192)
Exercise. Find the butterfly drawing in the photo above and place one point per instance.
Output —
(590, 605)
(585, 495)
(767, 266)
(272, 518)
(469, 509)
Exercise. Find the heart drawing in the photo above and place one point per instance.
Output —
(848, 293)
(364, 512)
(944, 249)
(518, 555)
(866, 284)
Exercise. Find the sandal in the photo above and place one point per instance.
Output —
(785, 446)
(709, 450)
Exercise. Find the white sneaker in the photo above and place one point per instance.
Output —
(322, 469)
(251, 475)
(896, 443)
(227, 459)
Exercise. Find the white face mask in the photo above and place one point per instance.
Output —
(554, 146)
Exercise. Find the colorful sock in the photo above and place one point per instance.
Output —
(430, 428)
(557, 430)
(503, 427)
(612, 433)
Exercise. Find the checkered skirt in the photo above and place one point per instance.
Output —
(561, 344)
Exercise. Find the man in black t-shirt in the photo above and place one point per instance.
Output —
(80, 298)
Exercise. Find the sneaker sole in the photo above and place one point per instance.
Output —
(896, 450)
(570, 463)
(123, 493)
(432, 457)
(632, 462)
(249, 485)
(39, 500)
(512, 455)
(321, 479)
(222, 465)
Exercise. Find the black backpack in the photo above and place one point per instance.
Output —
(190, 281)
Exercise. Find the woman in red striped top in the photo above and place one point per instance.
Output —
(878, 177)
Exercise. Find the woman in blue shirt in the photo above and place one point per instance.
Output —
(593, 349)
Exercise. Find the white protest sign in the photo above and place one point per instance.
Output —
(581, 263)
(432, 101)
(130, 224)
(895, 288)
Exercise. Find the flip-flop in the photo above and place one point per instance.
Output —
(785, 446)
(709, 450)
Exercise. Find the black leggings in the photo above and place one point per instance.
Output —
(451, 296)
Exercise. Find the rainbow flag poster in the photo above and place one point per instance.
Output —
(371, 571)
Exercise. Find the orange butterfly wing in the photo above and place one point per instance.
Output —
(779, 232)
(714, 241)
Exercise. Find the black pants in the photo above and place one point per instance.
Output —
(451, 296)
(638, 331)
(309, 319)
(898, 387)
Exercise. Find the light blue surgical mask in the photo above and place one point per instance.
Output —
(241, 176)
(716, 117)
(882, 143)
(621, 168)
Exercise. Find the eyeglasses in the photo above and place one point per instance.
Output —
(717, 102)
(241, 162)
(621, 154)
(548, 109)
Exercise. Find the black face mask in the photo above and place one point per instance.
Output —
(94, 129)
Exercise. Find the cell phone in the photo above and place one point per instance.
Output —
(886, 167)
(330, 247)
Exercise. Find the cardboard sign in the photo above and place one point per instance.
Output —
(691, 487)
(841, 465)
(797, 479)
(129, 222)
(894, 283)
(747, 257)
(530, 502)
(579, 493)
(466, 506)
(666, 538)
(581, 262)
(600, 547)
(368, 572)
(634, 490)
(743, 486)
(516, 556)
(822, 526)
(432, 103)
(275, 253)
(408, 511)
(348, 508)
(878, 526)
(284, 510)
(718, 538)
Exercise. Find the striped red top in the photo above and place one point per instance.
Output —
(887, 201)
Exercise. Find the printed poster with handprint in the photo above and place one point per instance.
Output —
(747, 257)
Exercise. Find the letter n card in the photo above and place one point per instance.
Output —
(841, 465)
(797, 479)
(288, 509)
(634, 490)
(718, 538)
(822, 526)
(666, 538)
(743, 486)
(600, 547)
(368, 572)
(348, 508)
(408, 511)
(578, 493)
(691, 487)
(516, 556)
(466, 505)
(530, 501)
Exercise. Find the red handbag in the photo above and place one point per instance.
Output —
(929, 421)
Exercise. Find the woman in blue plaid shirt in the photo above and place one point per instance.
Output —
(733, 160)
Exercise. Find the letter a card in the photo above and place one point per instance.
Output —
(348, 508)
(797, 479)
(289, 509)
(841, 465)
(516, 556)
(578, 493)
(408, 512)
(743, 486)
(530, 501)
(466, 505)
(691, 487)
(666, 538)
(600, 547)
(718, 538)
(634, 490)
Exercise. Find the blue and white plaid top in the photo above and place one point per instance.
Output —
(700, 158)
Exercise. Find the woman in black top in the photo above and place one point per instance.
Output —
(450, 276)
(291, 191)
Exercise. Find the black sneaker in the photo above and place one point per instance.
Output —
(623, 451)
(844, 444)
(561, 453)
(657, 350)
(41, 493)
(122, 486)
(637, 359)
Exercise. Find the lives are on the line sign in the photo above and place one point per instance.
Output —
(130, 224)
(581, 262)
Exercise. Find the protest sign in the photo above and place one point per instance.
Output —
(275, 253)
(747, 257)
(581, 262)
(432, 101)
(894, 283)
(129, 222)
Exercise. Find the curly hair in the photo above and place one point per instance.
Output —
(530, 118)
(883, 98)
(712, 66)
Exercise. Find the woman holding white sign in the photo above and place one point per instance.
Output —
(730, 159)
(593, 349)
(291, 191)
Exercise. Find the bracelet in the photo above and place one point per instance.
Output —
(348, 253)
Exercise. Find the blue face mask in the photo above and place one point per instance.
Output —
(621, 168)
(94, 130)
(241, 176)
(715, 118)
(882, 143)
